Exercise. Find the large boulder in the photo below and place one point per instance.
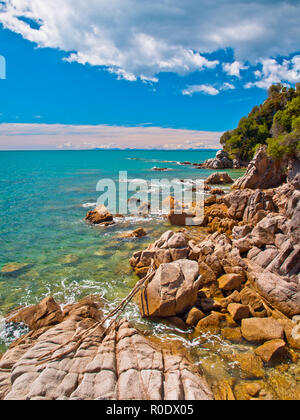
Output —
(170, 247)
(172, 291)
(219, 178)
(99, 216)
(262, 172)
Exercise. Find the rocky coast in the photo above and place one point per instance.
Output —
(238, 288)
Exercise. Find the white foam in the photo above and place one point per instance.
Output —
(9, 332)
(85, 205)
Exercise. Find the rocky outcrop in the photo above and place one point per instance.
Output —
(172, 290)
(294, 173)
(48, 313)
(118, 364)
(233, 210)
(221, 161)
(263, 172)
(44, 314)
(271, 245)
(100, 216)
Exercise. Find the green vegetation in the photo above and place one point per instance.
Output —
(276, 123)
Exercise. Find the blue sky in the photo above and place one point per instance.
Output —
(196, 68)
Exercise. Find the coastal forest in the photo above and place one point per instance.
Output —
(275, 123)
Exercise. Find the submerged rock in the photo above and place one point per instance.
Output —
(137, 233)
(69, 260)
(160, 169)
(250, 364)
(14, 269)
(232, 334)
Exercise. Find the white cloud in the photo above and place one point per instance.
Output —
(234, 69)
(135, 38)
(59, 136)
(208, 89)
(228, 86)
(122, 74)
(273, 72)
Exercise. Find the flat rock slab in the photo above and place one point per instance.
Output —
(125, 365)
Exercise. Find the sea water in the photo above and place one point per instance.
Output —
(44, 197)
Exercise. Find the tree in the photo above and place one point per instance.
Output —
(271, 123)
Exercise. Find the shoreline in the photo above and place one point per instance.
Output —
(213, 314)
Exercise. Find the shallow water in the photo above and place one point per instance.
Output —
(44, 198)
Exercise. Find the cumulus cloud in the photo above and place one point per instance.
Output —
(134, 38)
(208, 89)
(234, 69)
(273, 72)
(59, 136)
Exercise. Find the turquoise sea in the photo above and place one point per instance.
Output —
(44, 196)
